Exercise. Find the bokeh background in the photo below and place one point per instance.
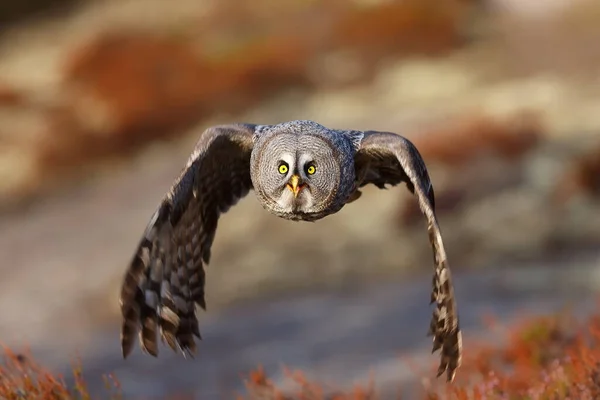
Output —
(101, 102)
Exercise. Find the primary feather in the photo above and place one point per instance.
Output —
(166, 277)
(387, 158)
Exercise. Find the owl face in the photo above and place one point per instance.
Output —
(297, 175)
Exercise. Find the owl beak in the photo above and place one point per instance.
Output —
(295, 185)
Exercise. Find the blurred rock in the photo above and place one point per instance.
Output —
(529, 8)
(462, 144)
(22, 125)
(446, 202)
(18, 174)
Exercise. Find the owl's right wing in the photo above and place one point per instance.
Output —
(387, 158)
(165, 278)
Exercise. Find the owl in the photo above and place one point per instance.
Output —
(299, 170)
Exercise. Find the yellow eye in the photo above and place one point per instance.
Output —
(311, 169)
(283, 169)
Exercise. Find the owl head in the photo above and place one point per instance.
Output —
(302, 170)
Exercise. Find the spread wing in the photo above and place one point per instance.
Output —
(386, 158)
(165, 278)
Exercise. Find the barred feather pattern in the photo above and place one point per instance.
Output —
(444, 325)
(388, 158)
(166, 277)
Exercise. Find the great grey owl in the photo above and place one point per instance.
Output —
(299, 170)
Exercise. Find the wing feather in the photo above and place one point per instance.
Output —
(388, 158)
(166, 277)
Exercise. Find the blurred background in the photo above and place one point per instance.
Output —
(101, 102)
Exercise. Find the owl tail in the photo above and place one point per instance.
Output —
(156, 295)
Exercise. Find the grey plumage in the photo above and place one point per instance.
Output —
(299, 170)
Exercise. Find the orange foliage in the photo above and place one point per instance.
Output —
(546, 357)
(459, 142)
(22, 378)
(148, 82)
(123, 89)
(259, 386)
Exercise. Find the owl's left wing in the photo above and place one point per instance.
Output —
(165, 279)
(387, 158)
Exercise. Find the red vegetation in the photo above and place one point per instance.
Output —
(461, 141)
(123, 90)
(22, 378)
(547, 357)
(403, 27)
(259, 386)
(147, 82)
(552, 357)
